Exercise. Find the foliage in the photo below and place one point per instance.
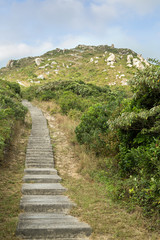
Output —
(75, 94)
(93, 127)
(68, 100)
(138, 129)
(146, 87)
(11, 110)
(29, 93)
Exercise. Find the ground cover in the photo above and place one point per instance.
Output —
(11, 174)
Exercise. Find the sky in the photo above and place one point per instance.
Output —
(33, 27)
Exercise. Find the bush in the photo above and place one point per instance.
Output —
(93, 128)
(11, 110)
(146, 87)
(69, 100)
(138, 129)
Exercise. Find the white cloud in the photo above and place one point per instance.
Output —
(70, 41)
(104, 12)
(142, 7)
(13, 51)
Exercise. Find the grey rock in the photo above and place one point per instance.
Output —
(38, 61)
(10, 64)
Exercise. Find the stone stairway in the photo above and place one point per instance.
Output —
(45, 209)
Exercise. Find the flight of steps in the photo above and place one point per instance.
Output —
(45, 209)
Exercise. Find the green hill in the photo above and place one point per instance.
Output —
(86, 63)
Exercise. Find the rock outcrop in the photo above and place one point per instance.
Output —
(38, 61)
(138, 62)
(41, 77)
(111, 60)
(10, 64)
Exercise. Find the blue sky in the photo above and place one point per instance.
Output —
(32, 27)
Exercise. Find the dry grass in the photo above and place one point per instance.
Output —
(108, 220)
(11, 173)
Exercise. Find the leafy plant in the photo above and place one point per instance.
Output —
(11, 110)
(93, 128)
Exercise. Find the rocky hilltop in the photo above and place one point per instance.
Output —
(95, 64)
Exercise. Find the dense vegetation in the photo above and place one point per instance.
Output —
(138, 129)
(11, 110)
(125, 131)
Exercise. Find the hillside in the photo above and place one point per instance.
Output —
(103, 108)
(100, 65)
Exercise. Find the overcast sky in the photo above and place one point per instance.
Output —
(33, 27)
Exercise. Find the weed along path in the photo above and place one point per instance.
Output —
(45, 208)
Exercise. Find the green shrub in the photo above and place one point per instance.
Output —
(141, 159)
(29, 93)
(11, 110)
(69, 100)
(138, 129)
(93, 128)
(146, 87)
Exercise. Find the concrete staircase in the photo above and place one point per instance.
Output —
(45, 208)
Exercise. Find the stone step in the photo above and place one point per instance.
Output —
(39, 157)
(41, 178)
(40, 149)
(37, 160)
(43, 134)
(42, 155)
(46, 203)
(38, 171)
(60, 227)
(32, 150)
(38, 145)
(44, 143)
(43, 188)
(39, 165)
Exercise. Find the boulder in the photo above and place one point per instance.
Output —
(41, 77)
(140, 57)
(138, 64)
(38, 61)
(10, 64)
(146, 63)
(129, 59)
(111, 58)
(53, 63)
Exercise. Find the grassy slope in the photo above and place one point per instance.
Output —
(11, 173)
(73, 64)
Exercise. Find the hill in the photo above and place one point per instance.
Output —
(107, 100)
(100, 65)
